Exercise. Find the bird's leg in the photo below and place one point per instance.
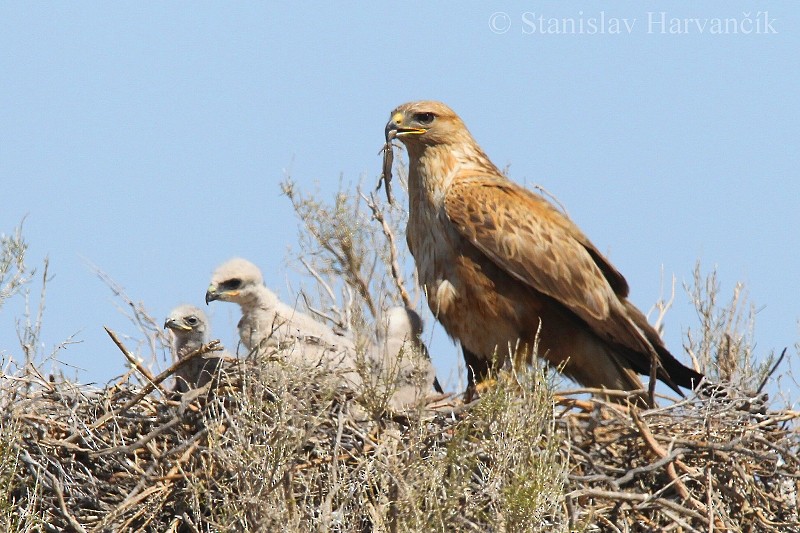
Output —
(472, 363)
(506, 380)
(479, 379)
(437, 386)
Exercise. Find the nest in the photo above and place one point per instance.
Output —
(262, 450)
(723, 464)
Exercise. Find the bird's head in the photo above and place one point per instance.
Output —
(400, 324)
(186, 319)
(418, 124)
(402, 321)
(235, 281)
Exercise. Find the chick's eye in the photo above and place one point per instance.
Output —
(424, 118)
(191, 320)
(232, 284)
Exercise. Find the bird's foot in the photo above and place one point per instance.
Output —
(484, 387)
(476, 390)
(505, 379)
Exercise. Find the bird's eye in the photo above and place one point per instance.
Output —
(232, 284)
(192, 320)
(424, 118)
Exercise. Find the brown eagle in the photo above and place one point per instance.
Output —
(504, 271)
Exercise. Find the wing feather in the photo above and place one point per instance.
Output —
(527, 237)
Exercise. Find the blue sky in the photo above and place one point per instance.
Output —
(149, 139)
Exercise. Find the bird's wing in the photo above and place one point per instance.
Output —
(303, 325)
(532, 241)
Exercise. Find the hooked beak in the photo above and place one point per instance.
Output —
(173, 324)
(396, 128)
(212, 294)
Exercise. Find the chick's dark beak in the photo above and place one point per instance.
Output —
(211, 295)
(173, 324)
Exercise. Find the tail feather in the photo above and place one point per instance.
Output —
(672, 372)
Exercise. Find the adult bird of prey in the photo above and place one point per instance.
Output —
(404, 362)
(190, 331)
(507, 274)
(273, 327)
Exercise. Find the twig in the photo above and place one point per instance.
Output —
(647, 435)
(55, 484)
(132, 360)
(771, 371)
(130, 448)
(616, 496)
(675, 454)
(213, 346)
(397, 274)
(655, 364)
(554, 198)
(316, 275)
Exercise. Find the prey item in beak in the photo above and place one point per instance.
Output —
(394, 128)
(388, 159)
